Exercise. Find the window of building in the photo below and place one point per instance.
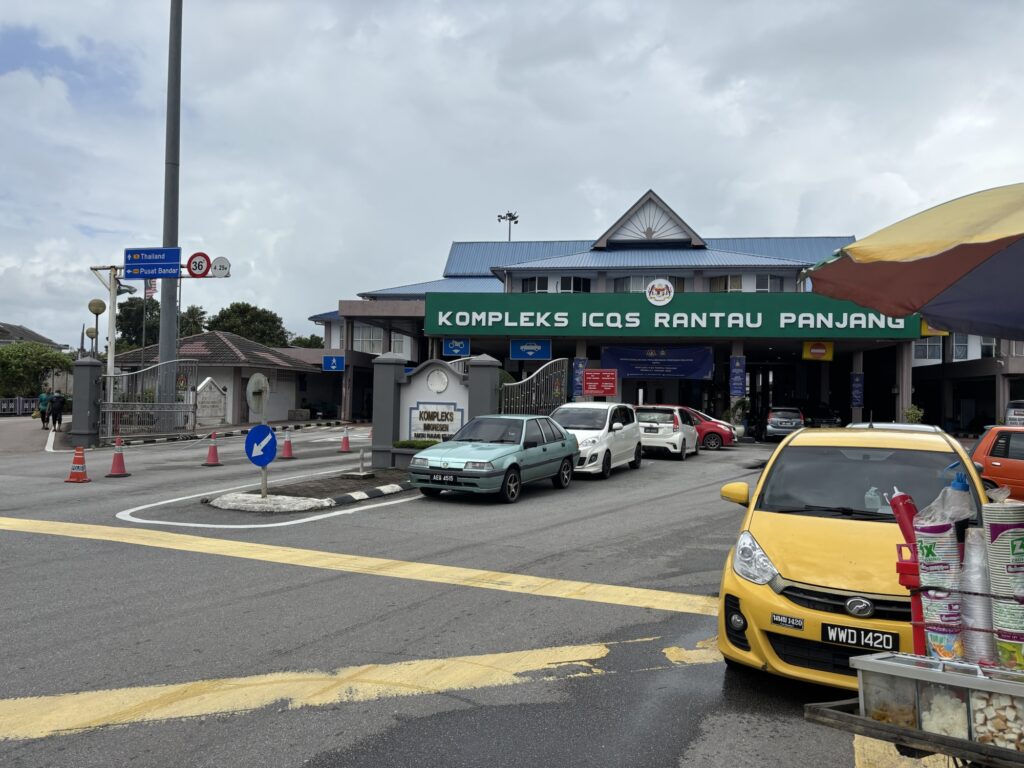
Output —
(368, 339)
(639, 283)
(959, 346)
(570, 284)
(928, 348)
(535, 285)
(768, 284)
(725, 284)
(397, 343)
(1017, 348)
(988, 346)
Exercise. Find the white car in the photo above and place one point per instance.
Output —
(669, 428)
(608, 435)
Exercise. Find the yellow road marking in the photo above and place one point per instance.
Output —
(41, 716)
(706, 652)
(635, 597)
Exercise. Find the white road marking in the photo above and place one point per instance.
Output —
(128, 515)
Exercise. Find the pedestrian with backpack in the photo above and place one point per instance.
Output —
(56, 406)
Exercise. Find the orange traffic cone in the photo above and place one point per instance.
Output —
(78, 468)
(286, 452)
(117, 468)
(212, 459)
(345, 448)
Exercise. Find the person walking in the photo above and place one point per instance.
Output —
(56, 409)
(44, 402)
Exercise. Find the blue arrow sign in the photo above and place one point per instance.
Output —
(333, 363)
(261, 445)
(148, 263)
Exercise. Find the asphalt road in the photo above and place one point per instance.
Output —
(570, 629)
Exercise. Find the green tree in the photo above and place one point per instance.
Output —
(129, 322)
(192, 321)
(251, 322)
(309, 342)
(24, 366)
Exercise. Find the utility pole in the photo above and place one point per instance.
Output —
(168, 286)
(512, 218)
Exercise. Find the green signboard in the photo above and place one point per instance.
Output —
(685, 315)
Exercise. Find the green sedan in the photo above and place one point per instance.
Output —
(497, 454)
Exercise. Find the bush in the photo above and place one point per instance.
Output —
(913, 414)
(419, 445)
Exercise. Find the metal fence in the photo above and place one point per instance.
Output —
(133, 410)
(18, 406)
(539, 393)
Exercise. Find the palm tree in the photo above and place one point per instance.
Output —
(192, 321)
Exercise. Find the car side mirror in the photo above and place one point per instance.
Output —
(737, 493)
(617, 426)
(530, 444)
(979, 466)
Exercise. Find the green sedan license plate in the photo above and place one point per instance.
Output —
(439, 478)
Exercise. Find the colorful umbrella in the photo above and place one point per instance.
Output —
(960, 264)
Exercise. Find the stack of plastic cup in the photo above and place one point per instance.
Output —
(1004, 537)
(938, 557)
(976, 608)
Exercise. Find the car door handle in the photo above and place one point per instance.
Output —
(997, 463)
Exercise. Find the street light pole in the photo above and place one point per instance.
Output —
(511, 217)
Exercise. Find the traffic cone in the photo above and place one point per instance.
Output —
(286, 452)
(212, 460)
(117, 468)
(344, 442)
(78, 468)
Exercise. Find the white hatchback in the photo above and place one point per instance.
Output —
(669, 428)
(608, 435)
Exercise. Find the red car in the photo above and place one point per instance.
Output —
(1000, 452)
(713, 433)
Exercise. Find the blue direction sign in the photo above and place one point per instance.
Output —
(149, 263)
(334, 363)
(261, 445)
(529, 349)
(856, 390)
(454, 347)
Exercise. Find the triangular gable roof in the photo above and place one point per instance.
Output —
(649, 220)
(218, 348)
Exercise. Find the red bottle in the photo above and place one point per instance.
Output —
(904, 509)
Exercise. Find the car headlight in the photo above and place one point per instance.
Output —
(418, 461)
(478, 465)
(750, 561)
(588, 442)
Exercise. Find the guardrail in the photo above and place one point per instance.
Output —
(17, 406)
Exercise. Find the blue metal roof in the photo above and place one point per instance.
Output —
(809, 250)
(643, 258)
(447, 285)
(476, 259)
(324, 317)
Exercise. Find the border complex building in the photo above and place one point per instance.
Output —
(678, 317)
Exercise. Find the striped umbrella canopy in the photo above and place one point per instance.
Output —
(960, 264)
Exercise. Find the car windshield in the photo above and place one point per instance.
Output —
(827, 481)
(658, 416)
(490, 430)
(581, 418)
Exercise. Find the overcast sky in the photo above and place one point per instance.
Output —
(329, 148)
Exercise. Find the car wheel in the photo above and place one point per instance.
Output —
(712, 441)
(511, 486)
(564, 476)
(696, 447)
(637, 458)
(606, 465)
(682, 451)
(433, 493)
(988, 484)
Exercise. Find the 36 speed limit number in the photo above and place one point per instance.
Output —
(198, 265)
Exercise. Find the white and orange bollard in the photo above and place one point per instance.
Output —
(212, 458)
(117, 468)
(78, 474)
(345, 446)
(286, 450)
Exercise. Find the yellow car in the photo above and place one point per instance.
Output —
(812, 578)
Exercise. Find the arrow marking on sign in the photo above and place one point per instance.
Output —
(257, 449)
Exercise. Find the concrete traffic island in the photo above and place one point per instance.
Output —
(320, 493)
(253, 502)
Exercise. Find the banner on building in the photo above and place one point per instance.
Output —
(579, 365)
(856, 390)
(737, 376)
(660, 362)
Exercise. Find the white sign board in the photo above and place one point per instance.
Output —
(434, 421)
(433, 404)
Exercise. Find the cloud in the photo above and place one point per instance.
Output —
(331, 148)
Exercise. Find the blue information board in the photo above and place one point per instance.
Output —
(261, 445)
(856, 390)
(737, 376)
(579, 365)
(455, 346)
(334, 363)
(149, 263)
(529, 349)
(660, 362)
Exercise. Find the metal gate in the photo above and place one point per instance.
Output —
(539, 393)
(130, 406)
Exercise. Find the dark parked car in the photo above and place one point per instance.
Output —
(821, 416)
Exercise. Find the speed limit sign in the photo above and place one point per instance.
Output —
(198, 264)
